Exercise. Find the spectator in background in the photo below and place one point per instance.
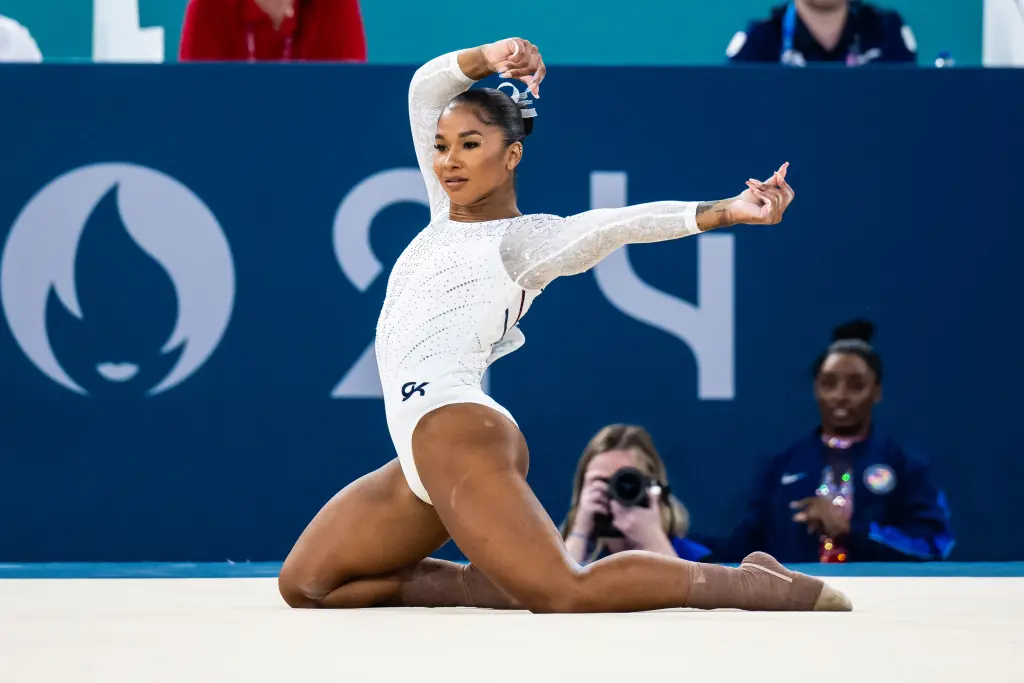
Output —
(16, 43)
(621, 500)
(843, 493)
(273, 30)
(804, 31)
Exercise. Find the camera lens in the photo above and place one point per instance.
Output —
(629, 486)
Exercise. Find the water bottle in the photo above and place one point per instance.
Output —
(945, 60)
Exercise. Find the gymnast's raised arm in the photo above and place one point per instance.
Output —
(438, 81)
(578, 243)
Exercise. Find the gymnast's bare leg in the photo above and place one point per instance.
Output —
(473, 463)
(369, 547)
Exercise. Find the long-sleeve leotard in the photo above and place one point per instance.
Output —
(536, 249)
(456, 295)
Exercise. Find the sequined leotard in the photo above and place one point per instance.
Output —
(457, 293)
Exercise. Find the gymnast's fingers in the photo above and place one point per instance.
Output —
(787, 188)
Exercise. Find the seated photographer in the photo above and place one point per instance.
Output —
(844, 492)
(621, 500)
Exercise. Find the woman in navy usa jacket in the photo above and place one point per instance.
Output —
(843, 493)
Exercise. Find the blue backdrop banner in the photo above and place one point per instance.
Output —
(194, 257)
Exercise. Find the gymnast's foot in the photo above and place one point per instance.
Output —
(803, 594)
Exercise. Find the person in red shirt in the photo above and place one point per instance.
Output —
(273, 30)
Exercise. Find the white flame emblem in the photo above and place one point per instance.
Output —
(164, 218)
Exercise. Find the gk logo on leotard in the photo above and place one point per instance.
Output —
(410, 388)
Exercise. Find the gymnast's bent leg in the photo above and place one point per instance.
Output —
(473, 462)
(369, 547)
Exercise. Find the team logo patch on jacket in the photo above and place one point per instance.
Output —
(880, 479)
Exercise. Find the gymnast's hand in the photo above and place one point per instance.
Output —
(763, 203)
(517, 58)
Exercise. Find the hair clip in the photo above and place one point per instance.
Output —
(519, 97)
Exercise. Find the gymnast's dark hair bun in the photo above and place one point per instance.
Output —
(527, 127)
(862, 330)
(513, 113)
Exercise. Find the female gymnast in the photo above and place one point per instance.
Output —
(453, 304)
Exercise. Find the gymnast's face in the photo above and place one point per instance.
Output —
(471, 159)
(846, 391)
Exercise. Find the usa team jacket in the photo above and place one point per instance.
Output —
(898, 513)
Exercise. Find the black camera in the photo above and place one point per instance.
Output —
(629, 486)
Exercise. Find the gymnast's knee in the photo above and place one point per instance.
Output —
(300, 590)
(297, 593)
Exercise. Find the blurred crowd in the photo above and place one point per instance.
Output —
(795, 33)
(273, 30)
(839, 31)
(243, 30)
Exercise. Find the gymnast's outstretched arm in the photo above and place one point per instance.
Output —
(576, 244)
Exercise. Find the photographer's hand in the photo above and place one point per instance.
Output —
(593, 501)
(642, 526)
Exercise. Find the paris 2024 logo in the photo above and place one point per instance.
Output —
(90, 333)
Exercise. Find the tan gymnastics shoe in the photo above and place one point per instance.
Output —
(805, 593)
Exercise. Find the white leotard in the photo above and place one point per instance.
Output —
(457, 293)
